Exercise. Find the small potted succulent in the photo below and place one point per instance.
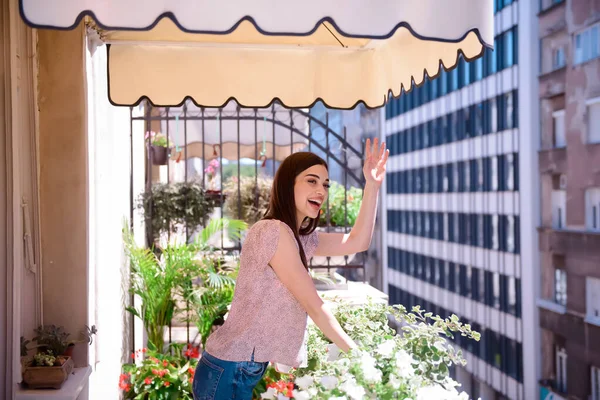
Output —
(53, 362)
(159, 147)
(47, 370)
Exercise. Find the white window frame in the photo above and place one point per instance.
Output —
(556, 117)
(595, 382)
(561, 369)
(558, 62)
(559, 209)
(592, 209)
(559, 273)
(589, 103)
(583, 54)
(592, 300)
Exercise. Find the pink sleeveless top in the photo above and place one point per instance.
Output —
(264, 316)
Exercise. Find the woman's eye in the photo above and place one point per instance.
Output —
(327, 186)
(312, 181)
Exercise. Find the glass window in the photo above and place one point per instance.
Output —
(466, 71)
(560, 286)
(587, 44)
(493, 58)
(508, 49)
(595, 379)
(493, 115)
(475, 290)
(478, 64)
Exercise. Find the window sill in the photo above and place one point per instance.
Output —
(580, 63)
(76, 385)
(551, 306)
(544, 74)
(550, 8)
(592, 320)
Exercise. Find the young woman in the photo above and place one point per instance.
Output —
(274, 292)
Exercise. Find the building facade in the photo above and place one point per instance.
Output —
(569, 167)
(461, 203)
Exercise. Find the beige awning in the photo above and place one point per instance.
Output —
(340, 51)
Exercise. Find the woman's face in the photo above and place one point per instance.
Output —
(310, 191)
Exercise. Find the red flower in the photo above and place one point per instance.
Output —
(192, 352)
(123, 384)
(132, 355)
(167, 383)
(144, 350)
(191, 371)
(165, 363)
(148, 381)
(155, 372)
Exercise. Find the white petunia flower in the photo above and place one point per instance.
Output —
(282, 397)
(269, 394)
(298, 395)
(304, 382)
(394, 381)
(404, 363)
(386, 349)
(333, 352)
(353, 390)
(330, 382)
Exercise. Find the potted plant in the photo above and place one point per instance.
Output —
(213, 182)
(413, 362)
(161, 280)
(54, 338)
(169, 206)
(159, 148)
(253, 198)
(155, 375)
(52, 364)
(343, 210)
(47, 370)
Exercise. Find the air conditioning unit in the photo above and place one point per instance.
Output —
(563, 182)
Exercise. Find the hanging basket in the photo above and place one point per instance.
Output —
(159, 155)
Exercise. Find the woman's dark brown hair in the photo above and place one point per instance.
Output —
(282, 204)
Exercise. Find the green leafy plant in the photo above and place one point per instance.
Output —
(412, 363)
(47, 359)
(56, 340)
(217, 278)
(160, 280)
(155, 375)
(158, 139)
(173, 205)
(343, 210)
(253, 197)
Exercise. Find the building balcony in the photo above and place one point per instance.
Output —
(553, 83)
(553, 161)
(573, 327)
(584, 244)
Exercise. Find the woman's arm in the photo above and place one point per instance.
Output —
(289, 269)
(359, 238)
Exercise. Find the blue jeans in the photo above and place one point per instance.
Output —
(217, 379)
